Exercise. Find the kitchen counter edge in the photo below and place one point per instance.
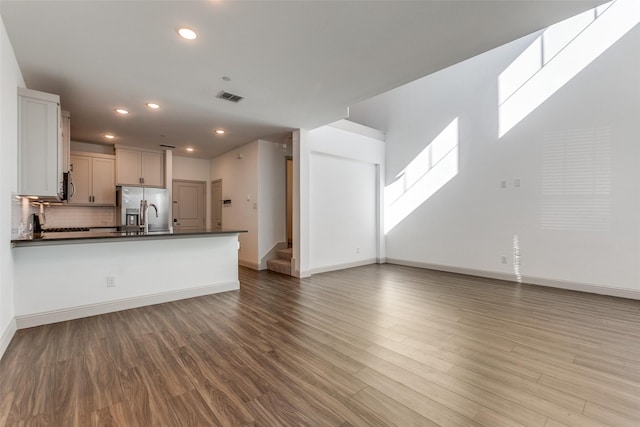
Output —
(98, 236)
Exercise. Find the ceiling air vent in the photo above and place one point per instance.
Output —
(167, 146)
(229, 96)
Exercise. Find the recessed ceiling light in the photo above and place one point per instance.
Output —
(187, 33)
(152, 105)
(189, 149)
(220, 131)
(108, 136)
(122, 111)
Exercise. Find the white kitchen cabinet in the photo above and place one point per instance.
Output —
(139, 167)
(39, 137)
(93, 177)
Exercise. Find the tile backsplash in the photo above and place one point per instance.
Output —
(79, 216)
(22, 210)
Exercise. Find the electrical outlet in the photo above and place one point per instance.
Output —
(357, 250)
(516, 182)
(503, 184)
(503, 259)
(111, 281)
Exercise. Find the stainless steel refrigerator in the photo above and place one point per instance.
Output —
(136, 204)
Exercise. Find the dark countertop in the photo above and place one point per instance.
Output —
(78, 237)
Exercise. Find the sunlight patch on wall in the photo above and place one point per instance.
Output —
(558, 55)
(428, 172)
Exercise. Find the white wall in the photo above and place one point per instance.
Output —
(272, 194)
(191, 169)
(576, 211)
(238, 170)
(343, 197)
(10, 79)
(91, 147)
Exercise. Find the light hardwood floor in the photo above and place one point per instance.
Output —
(375, 345)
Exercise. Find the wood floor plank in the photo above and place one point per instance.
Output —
(609, 416)
(623, 403)
(228, 409)
(379, 345)
(145, 403)
(6, 400)
(103, 374)
(457, 410)
(553, 423)
(272, 410)
(119, 414)
(190, 409)
(389, 409)
(548, 407)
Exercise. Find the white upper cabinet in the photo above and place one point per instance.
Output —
(39, 137)
(139, 167)
(93, 177)
(152, 168)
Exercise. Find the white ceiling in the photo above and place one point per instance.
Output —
(299, 64)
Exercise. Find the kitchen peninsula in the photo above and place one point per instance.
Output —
(65, 276)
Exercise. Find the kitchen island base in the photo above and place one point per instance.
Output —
(55, 283)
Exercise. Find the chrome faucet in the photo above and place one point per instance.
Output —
(144, 211)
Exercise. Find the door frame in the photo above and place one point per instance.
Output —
(288, 205)
(214, 181)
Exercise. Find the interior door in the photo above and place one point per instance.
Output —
(188, 205)
(216, 205)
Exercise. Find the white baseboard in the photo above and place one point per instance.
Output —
(301, 274)
(531, 280)
(54, 316)
(583, 287)
(7, 336)
(451, 269)
(342, 266)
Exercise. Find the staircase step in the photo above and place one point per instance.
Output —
(285, 254)
(280, 266)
